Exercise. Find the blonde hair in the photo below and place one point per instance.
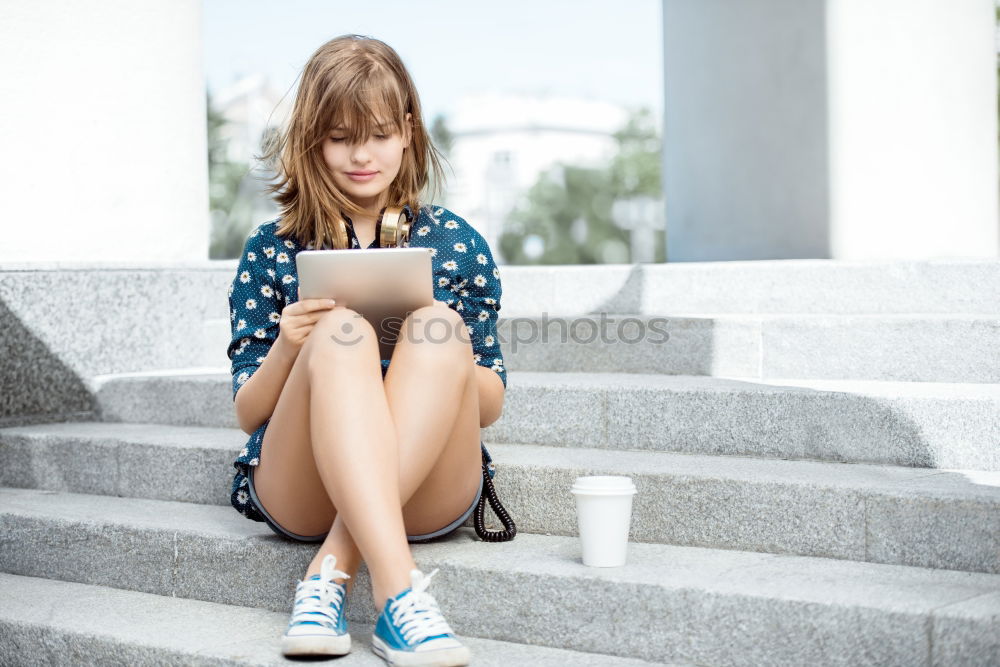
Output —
(354, 80)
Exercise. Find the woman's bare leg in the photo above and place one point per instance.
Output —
(433, 393)
(354, 444)
(424, 376)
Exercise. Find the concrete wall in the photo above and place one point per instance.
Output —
(104, 140)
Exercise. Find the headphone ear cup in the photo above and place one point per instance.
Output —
(406, 225)
(393, 227)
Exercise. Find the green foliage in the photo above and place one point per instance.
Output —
(441, 135)
(229, 230)
(636, 168)
(569, 207)
(443, 140)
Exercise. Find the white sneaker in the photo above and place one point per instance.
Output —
(411, 630)
(319, 625)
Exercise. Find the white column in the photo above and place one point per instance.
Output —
(913, 128)
(840, 129)
(103, 121)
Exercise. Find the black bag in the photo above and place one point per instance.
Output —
(490, 495)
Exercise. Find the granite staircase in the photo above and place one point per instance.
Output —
(816, 447)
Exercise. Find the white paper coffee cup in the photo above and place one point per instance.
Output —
(604, 514)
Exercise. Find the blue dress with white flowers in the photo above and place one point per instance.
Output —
(465, 277)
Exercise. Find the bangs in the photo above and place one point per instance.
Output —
(368, 104)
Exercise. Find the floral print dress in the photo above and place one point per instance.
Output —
(465, 277)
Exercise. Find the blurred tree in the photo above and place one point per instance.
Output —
(441, 135)
(444, 140)
(565, 218)
(228, 232)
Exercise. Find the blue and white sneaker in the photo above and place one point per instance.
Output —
(319, 624)
(411, 630)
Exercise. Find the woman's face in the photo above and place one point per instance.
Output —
(364, 171)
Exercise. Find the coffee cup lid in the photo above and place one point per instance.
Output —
(597, 484)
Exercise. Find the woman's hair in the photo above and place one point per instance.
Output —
(355, 81)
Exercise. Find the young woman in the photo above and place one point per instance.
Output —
(348, 449)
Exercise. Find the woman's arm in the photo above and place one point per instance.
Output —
(256, 303)
(491, 395)
(256, 398)
(465, 272)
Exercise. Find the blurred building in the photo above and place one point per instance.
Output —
(503, 142)
(250, 105)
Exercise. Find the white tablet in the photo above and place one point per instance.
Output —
(383, 284)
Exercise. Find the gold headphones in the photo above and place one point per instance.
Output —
(392, 228)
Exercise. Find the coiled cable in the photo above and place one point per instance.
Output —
(490, 495)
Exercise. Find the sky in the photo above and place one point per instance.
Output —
(608, 51)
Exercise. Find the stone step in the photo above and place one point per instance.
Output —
(756, 286)
(669, 603)
(885, 514)
(933, 425)
(919, 348)
(182, 331)
(921, 424)
(58, 622)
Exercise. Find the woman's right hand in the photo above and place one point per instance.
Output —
(299, 318)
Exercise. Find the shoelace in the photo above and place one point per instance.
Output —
(321, 596)
(417, 614)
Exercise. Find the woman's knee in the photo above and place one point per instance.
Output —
(339, 331)
(438, 330)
